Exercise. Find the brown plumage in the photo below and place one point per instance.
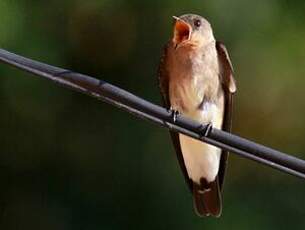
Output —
(196, 78)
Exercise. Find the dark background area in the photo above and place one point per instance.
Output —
(68, 161)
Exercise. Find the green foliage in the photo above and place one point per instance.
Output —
(68, 161)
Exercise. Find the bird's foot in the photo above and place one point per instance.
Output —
(206, 129)
(174, 114)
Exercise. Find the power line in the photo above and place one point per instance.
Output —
(146, 110)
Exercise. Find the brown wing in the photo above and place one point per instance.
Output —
(229, 87)
(163, 84)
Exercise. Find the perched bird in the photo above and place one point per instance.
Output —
(196, 80)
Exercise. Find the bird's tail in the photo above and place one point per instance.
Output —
(207, 201)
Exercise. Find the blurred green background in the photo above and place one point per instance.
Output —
(68, 161)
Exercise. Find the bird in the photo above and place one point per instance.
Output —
(196, 80)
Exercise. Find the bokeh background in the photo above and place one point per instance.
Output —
(68, 161)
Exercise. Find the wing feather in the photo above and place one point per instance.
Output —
(229, 87)
(163, 78)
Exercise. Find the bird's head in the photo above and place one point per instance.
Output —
(192, 31)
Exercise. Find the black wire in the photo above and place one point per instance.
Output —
(158, 115)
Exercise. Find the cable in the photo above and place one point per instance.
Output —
(146, 110)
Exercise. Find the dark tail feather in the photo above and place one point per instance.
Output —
(207, 202)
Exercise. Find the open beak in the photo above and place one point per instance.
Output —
(182, 32)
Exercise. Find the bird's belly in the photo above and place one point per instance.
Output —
(201, 159)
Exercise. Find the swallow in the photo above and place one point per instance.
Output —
(196, 80)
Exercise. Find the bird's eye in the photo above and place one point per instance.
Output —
(197, 23)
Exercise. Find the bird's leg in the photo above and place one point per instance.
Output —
(206, 129)
(174, 114)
